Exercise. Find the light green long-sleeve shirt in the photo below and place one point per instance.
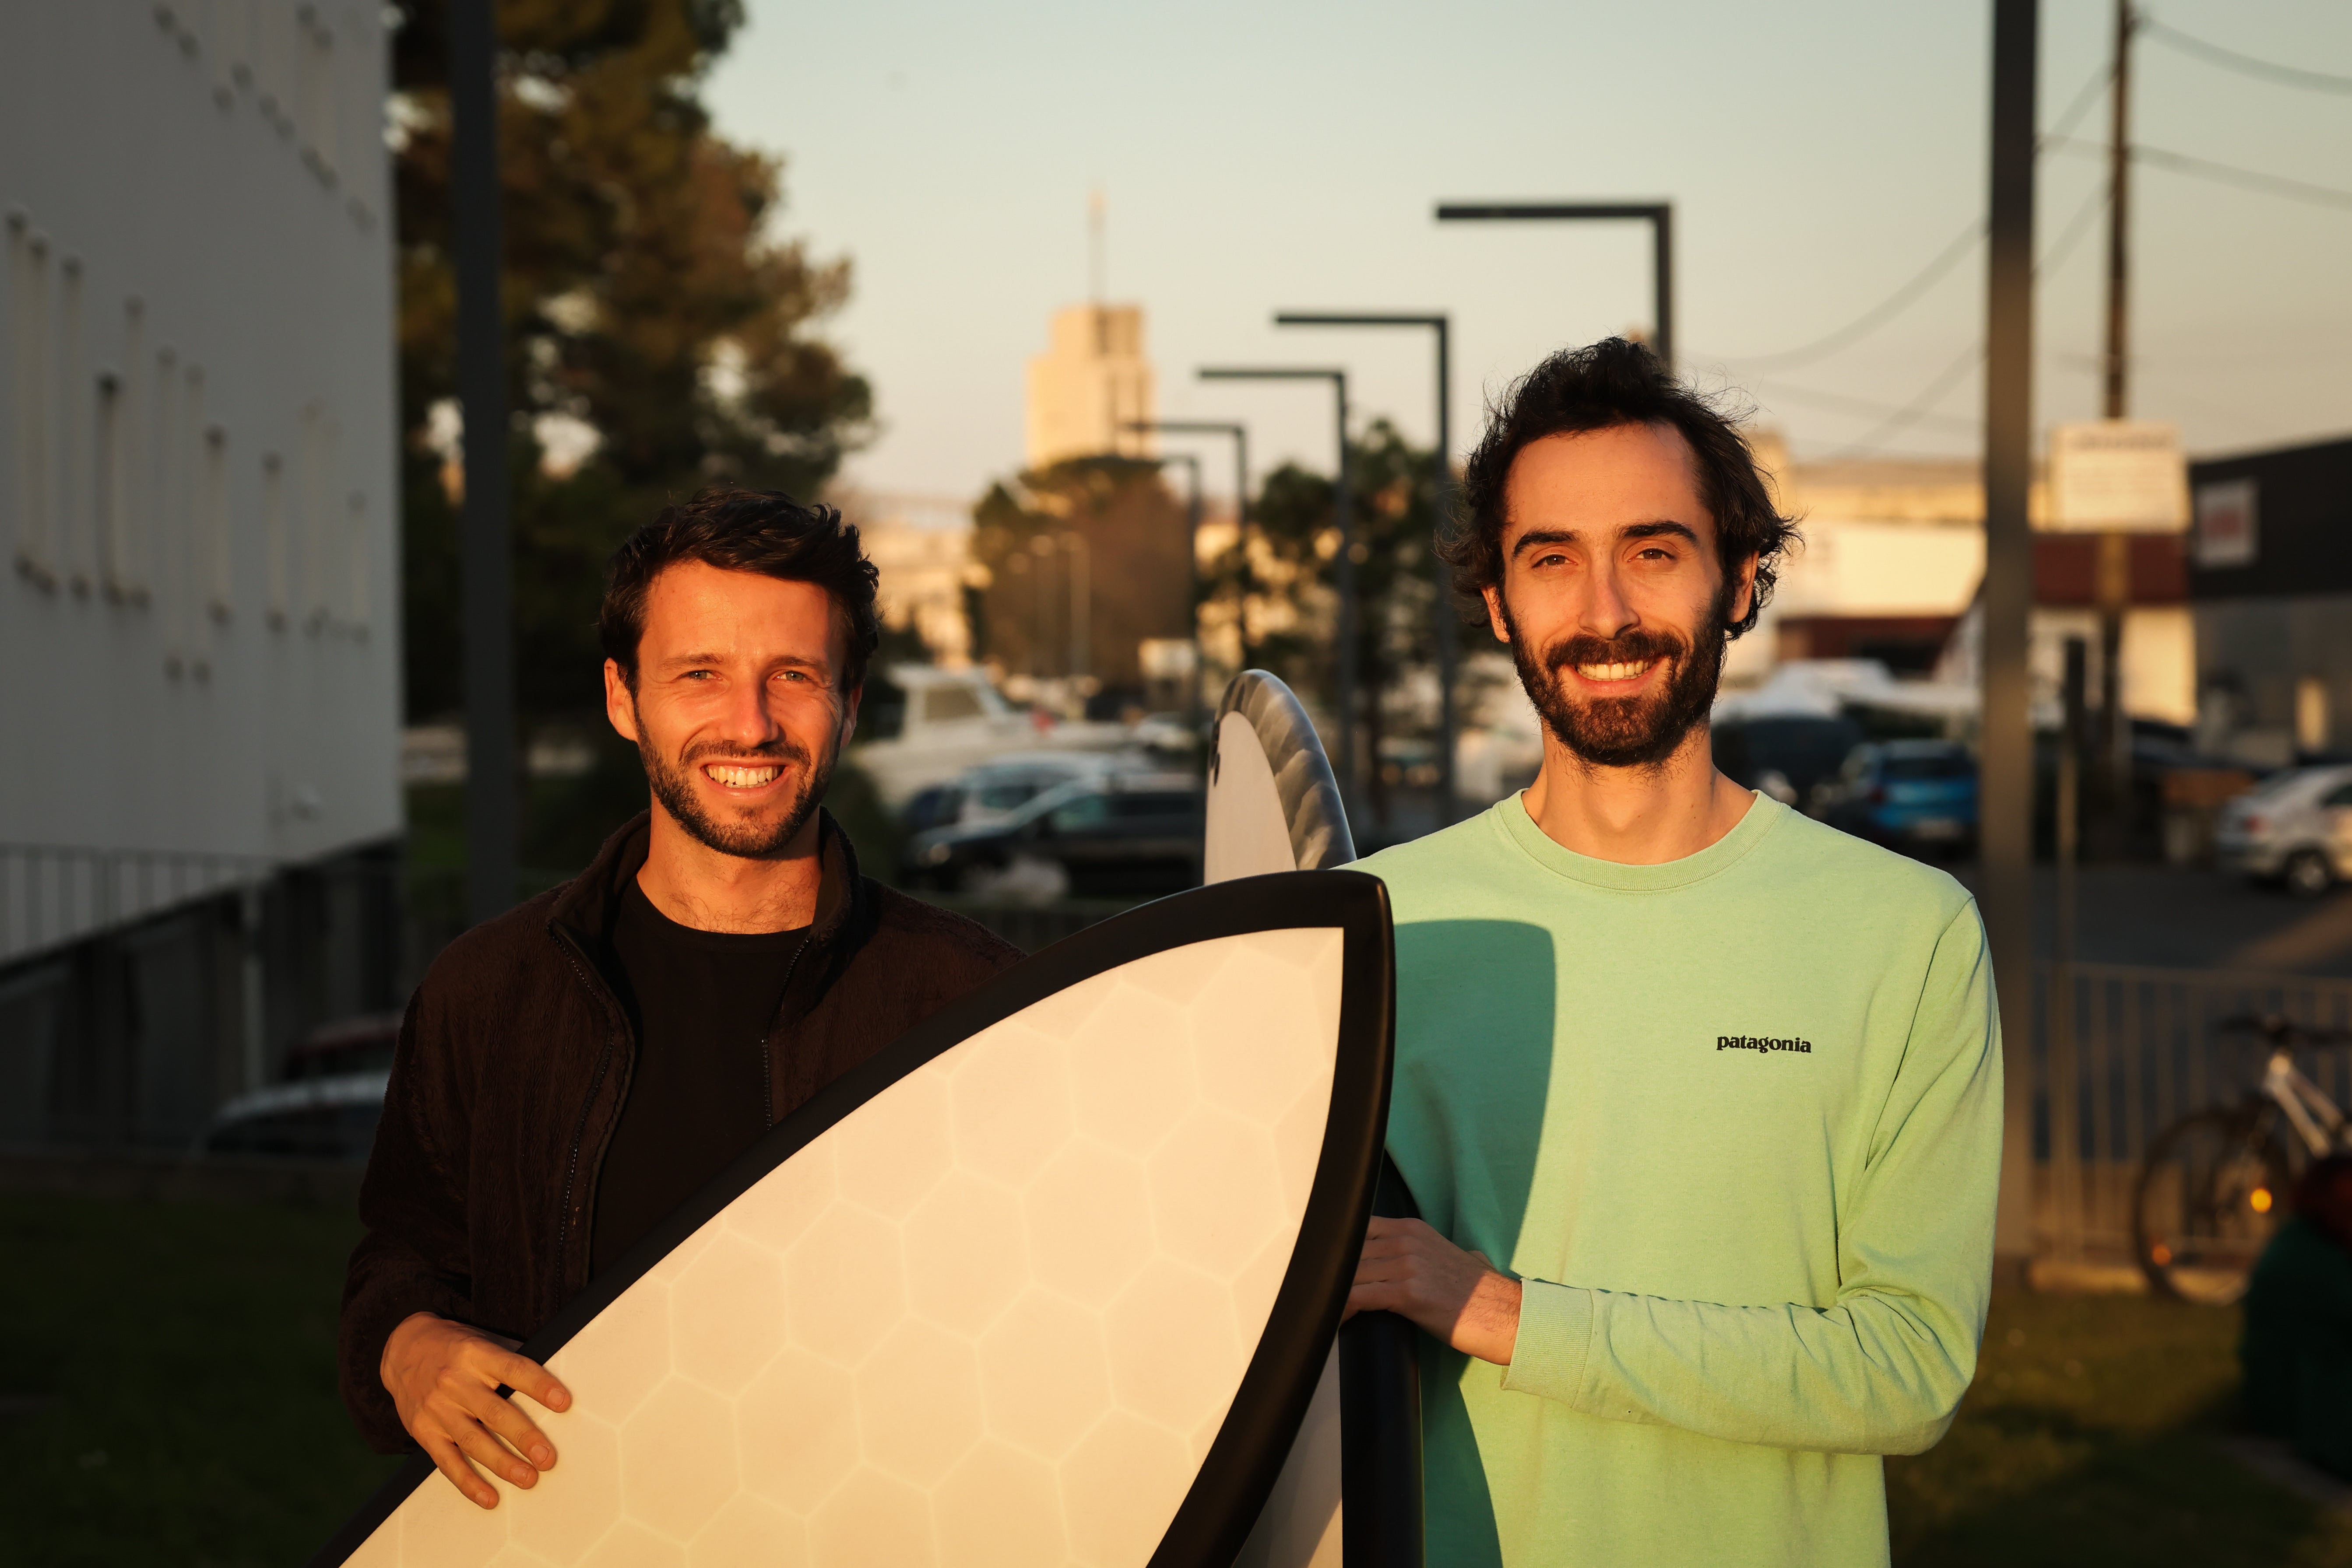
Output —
(1736, 1122)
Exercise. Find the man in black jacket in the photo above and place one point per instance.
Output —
(572, 1071)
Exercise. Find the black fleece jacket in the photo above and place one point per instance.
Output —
(513, 1063)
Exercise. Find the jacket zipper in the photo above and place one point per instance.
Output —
(596, 1085)
(767, 1065)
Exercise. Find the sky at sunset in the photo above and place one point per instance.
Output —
(1256, 157)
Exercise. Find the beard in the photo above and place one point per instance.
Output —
(1627, 732)
(673, 785)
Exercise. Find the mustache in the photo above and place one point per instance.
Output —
(1630, 647)
(783, 749)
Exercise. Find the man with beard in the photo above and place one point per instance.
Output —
(1715, 1088)
(572, 1071)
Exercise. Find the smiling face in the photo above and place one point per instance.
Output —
(738, 707)
(1613, 597)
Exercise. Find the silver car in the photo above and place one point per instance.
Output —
(2294, 828)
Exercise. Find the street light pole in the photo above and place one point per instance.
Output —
(2006, 834)
(1192, 565)
(486, 553)
(1240, 433)
(1342, 506)
(1080, 572)
(1446, 630)
(1659, 216)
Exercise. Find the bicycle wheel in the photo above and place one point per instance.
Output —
(2212, 1191)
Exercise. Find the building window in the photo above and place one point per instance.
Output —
(182, 503)
(31, 382)
(162, 496)
(273, 536)
(212, 496)
(356, 542)
(110, 505)
(77, 525)
(134, 534)
(314, 484)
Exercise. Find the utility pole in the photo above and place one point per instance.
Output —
(486, 555)
(1240, 433)
(1444, 629)
(2112, 771)
(2119, 213)
(1194, 705)
(1343, 508)
(1079, 571)
(2006, 792)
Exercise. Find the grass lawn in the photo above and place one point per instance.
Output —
(167, 1395)
(2089, 1438)
(167, 1384)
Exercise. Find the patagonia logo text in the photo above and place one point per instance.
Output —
(1754, 1043)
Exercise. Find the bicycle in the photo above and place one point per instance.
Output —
(2215, 1185)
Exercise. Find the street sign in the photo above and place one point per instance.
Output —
(2117, 475)
(2228, 523)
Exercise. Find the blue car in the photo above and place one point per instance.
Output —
(1920, 796)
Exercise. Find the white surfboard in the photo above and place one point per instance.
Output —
(1047, 1281)
(1349, 1494)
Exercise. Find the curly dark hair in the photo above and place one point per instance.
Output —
(766, 532)
(1613, 383)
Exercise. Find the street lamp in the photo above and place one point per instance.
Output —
(1659, 216)
(1071, 546)
(1082, 588)
(1240, 433)
(487, 529)
(1444, 629)
(1191, 559)
(1342, 507)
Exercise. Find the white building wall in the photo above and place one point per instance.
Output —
(197, 429)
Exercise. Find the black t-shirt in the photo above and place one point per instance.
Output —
(702, 1002)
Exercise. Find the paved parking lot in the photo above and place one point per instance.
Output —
(2186, 918)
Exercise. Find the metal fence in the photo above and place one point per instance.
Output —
(2121, 1052)
(52, 895)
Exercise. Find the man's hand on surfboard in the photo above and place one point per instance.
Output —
(444, 1378)
(1458, 1297)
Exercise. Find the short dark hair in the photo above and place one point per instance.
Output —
(766, 532)
(1609, 383)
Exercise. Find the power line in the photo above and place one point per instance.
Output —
(1918, 411)
(1782, 391)
(1926, 278)
(1878, 315)
(2244, 65)
(2072, 235)
(2222, 174)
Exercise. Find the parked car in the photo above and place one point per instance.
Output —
(1118, 835)
(996, 789)
(1914, 795)
(2294, 828)
(1785, 755)
(919, 727)
(327, 1104)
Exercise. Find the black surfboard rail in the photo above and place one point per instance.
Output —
(1231, 1485)
(1382, 1510)
(1383, 1521)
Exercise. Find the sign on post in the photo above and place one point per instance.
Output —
(2228, 523)
(2118, 476)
